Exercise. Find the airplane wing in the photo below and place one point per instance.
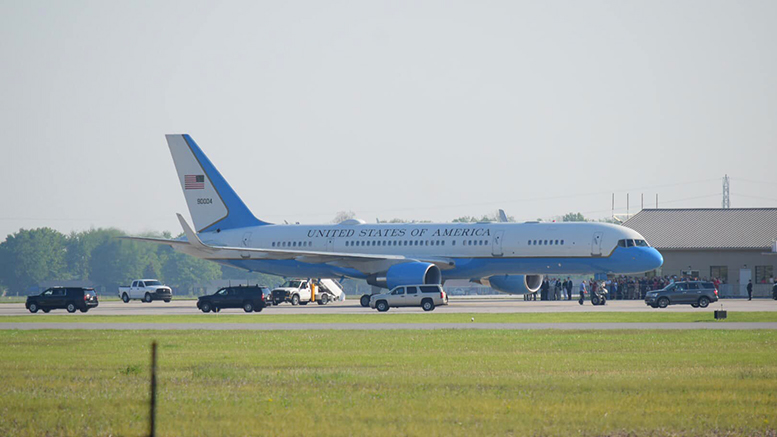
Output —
(365, 262)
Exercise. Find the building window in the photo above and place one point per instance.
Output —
(762, 274)
(720, 272)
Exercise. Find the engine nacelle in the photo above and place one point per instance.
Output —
(411, 273)
(516, 284)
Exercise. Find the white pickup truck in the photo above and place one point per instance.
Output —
(302, 291)
(146, 290)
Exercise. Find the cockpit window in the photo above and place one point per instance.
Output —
(632, 243)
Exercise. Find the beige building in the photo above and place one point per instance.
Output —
(735, 245)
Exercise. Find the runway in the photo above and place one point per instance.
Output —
(457, 305)
(386, 326)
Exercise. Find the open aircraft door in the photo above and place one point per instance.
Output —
(496, 245)
(596, 244)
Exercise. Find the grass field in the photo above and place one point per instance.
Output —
(430, 383)
(237, 316)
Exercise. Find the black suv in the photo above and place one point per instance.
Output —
(696, 293)
(248, 297)
(69, 298)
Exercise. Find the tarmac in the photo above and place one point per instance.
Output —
(487, 305)
(502, 304)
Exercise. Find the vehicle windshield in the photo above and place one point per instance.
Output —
(150, 283)
(291, 284)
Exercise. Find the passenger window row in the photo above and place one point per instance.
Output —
(396, 243)
(292, 244)
(545, 242)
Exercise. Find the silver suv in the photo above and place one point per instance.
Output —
(425, 296)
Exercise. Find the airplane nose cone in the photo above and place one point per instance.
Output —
(655, 258)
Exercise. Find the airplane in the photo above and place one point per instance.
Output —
(510, 257)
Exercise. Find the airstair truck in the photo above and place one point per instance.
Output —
(304, 291)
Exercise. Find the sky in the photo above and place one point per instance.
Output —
(425, 110)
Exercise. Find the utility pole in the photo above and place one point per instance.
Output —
(726, 198)
(627, 206)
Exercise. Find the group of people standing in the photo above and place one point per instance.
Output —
(555, 289)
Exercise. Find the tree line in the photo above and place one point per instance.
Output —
(30, 257)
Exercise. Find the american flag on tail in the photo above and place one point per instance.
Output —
(194, 182)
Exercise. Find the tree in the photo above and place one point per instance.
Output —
(80, 246)
(186, 272)
(573, 217)
(29, 257)
(118, 262)
(343, 216)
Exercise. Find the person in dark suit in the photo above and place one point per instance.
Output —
(544, 288)
(750, 290)
(569, 289)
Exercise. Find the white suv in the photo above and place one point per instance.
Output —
(425, 296)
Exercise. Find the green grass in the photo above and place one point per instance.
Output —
(267, 316)
(442, 383)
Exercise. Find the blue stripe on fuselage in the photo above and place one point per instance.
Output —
(621, 261)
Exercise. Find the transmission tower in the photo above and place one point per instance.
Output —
(726, 198)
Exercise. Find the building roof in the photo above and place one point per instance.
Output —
(707, 228)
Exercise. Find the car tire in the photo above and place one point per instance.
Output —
(695, 305)
(259, 309)
(33, 308)
(46, 310)
(663, 302)
(205, 307)
(704, 302)
(71, 307)
(382, 306)
(365, 300)
(167, 300)
(248, 307)
(83, 310)
(125, 298)
(427, 305)
(295, 299)
(324, 299)
(147, 298)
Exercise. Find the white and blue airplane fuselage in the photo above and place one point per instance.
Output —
(512, 257)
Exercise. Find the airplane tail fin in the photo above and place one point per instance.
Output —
(212, 202)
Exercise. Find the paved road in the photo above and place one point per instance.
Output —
(385, 326)
(457, 305)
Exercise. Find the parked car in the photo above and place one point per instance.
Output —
(426, 296)
(147, 290)
(249, 297)
(69, 298)
(698, 294)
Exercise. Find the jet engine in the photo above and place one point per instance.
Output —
(516, 284)
(410, 273)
